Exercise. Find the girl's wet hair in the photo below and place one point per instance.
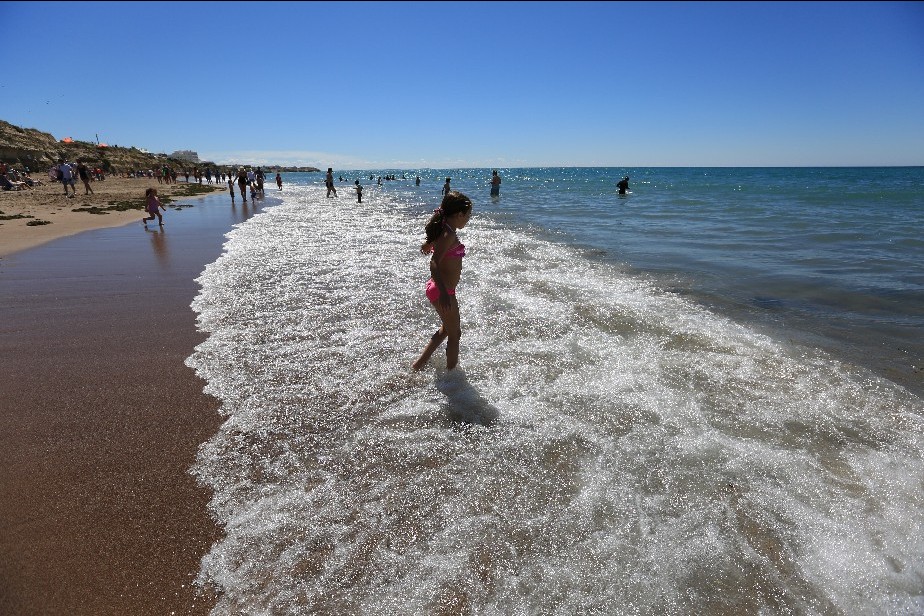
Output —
(453, 203)
(149, 192)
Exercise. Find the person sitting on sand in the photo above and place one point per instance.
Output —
(17, 177)
(153, 206)
(8, 184)
(445, 269)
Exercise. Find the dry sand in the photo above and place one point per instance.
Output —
(48, 202)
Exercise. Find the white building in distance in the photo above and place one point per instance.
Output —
(187, 155)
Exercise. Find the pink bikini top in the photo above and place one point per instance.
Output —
(456, 252)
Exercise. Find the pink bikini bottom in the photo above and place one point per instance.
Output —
(433, 291)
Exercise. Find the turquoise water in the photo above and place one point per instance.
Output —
(831, 254)
(701, 398)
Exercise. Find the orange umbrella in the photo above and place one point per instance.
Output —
(103, 145)
(67, 140)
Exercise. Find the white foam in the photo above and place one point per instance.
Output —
(603, 443)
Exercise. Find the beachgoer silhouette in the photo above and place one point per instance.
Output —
(495, 184)
(84, 174)
(242, 183)
(329, 180)
(153, 206)
(623, 185)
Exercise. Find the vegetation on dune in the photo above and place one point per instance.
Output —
(29, 147)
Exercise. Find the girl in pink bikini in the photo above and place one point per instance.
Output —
(445, 271)
(153, 206)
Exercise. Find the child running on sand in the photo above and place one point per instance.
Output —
(151, 204)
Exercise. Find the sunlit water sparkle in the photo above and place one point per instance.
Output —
(606, 446)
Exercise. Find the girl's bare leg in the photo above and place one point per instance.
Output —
(435, 341)
(452, 351)
(451, 329)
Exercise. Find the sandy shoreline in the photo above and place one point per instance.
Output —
(47, 202)
(102, 419)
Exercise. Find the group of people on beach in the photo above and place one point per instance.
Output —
(246, 178)
(13, 179)
(441, 243)
(67, 173)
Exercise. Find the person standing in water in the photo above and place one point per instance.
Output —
(445, 272)
(359, 192)
(329, 181)
(446, 188)
(279, 181)
(495, 184)
(623, 185)
(242, 183)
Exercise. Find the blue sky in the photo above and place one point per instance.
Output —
(494, 84)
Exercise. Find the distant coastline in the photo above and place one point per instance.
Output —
(38, 151)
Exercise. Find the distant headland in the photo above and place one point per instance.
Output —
(38, 150)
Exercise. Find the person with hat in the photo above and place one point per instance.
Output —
(66, 175)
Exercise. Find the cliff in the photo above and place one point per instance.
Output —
(38, 150)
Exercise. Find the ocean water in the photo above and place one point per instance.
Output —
(703, 397)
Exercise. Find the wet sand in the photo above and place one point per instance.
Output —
(48, 203)
(100, 419)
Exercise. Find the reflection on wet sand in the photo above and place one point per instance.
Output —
(190, 221)
(159, 244)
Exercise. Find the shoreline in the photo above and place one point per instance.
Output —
(47, 202)
(103, 419)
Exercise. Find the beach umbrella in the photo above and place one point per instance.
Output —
(67, 140)
(103, 145)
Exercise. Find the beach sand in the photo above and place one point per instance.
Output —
(100, 419)
(47, 202)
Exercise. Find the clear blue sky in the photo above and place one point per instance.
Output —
(429, 84)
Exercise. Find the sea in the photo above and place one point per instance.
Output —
(702, 397)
